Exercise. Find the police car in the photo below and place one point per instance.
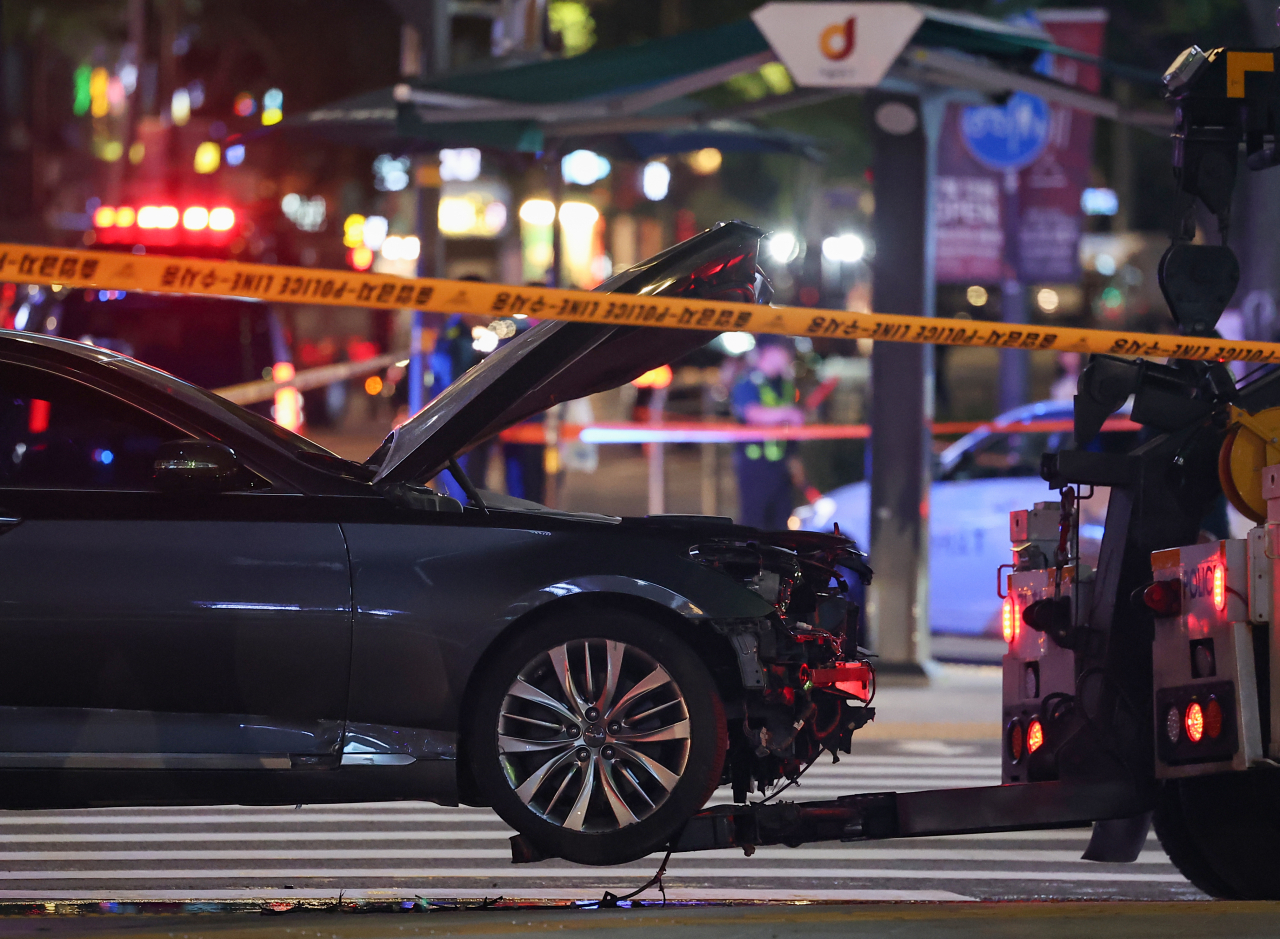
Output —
(978, 481)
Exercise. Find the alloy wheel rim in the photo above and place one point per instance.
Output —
(593, 735)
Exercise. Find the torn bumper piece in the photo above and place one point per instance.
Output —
(856, 679)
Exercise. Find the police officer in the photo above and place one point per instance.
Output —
(768, 469)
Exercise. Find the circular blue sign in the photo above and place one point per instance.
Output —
(1010, 137)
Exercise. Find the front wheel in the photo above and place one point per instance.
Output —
(597, 735)
(1223, 832)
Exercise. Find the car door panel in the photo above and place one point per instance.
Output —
(245, 623)
(135, 619)
(431, 598)
(428, 598)
(107, 738)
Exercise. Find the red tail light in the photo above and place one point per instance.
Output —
(1035, 736)
(1015, 741)
(1009, 619)
(104, 216)
(1219, 586)
(1164, 597)
(1212, 718)
(1194, 722)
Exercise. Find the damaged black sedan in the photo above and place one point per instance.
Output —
(200, 607)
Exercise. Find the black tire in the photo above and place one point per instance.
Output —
(1223, 832)
(1177, 841)
(638, 791)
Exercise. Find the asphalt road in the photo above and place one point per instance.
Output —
(1096, 920)
(418, 850)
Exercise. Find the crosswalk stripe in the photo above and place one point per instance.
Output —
(1080, 835)
(248, 818)
(605, 874)
(856, 853)
(256, 853)
(142, 837)
(674, 894)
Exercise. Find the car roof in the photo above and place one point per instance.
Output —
(16, 338)
(1051, 410)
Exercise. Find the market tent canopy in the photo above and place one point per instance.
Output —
(941, 48)
(375, 120)
(634, 100)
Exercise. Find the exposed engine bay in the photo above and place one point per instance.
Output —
(807, 684)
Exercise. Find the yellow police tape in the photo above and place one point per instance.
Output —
(279, 284)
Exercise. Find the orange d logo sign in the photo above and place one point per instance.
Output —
(837, 40)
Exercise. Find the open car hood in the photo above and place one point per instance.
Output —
(558, 361)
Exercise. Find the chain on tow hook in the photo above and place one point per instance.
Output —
(1066, 524)
(1056, 616)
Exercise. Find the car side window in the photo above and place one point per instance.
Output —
(1005, 455)
(56, 433)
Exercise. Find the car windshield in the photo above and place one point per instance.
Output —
(1008, 455)
(209, 341)
(210, 403)
(1005, 455)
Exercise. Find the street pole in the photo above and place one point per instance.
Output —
(555, 182)
(418, 55)
(904, 131)
(1014, 369)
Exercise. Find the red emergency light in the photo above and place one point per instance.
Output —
(164, 225)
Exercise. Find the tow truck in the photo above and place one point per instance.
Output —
(1143, 689)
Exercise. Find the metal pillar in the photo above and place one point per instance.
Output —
(905, 131)
(425, 47)
(555, 184)
(1015, 364)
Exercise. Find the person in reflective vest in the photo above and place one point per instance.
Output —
(768, 470)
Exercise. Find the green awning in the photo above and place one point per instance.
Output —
(608, 71)
(619, 92)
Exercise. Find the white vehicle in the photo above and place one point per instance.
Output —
(978, 481)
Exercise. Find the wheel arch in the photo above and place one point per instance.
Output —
(713, 648)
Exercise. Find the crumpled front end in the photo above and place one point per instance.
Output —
(807, 685)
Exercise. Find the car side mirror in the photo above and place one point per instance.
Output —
(197, 466)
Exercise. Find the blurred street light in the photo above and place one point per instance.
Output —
(1047, 299)
(783, 247)
(584, 167)
(180, 107)
(375, 232)
(706, 161)
(655, 181)
(844, 249)
(538, 212)
(461, 164)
